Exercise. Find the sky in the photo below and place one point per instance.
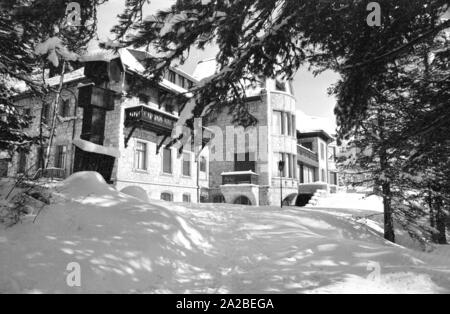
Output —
(310, 91)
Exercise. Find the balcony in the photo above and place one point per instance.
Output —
(240, 177)
(307, 156)
(157, 121)
(150, 119)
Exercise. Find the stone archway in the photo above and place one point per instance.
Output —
(242, 200)
(290, 200)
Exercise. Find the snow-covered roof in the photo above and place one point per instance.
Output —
(131, 60)
(205, 68)
(310, 124)
(68, 77)
(99, 55)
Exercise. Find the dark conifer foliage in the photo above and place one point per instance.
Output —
(24, 24)
(392, 104)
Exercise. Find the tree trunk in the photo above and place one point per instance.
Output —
(441, 217)
(389, 233)
(55, 114)
(429, 201)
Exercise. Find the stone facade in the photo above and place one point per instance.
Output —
(67, 128)
(152, 179)
(124, 174)
(267, 142)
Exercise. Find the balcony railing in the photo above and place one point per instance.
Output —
(306, 153)
(240, 178)
(150, 119)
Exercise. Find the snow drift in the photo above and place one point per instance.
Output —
(124, 245)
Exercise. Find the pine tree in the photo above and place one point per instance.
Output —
(413, 104)
(427, 131)
(23, 25)
(274, 38)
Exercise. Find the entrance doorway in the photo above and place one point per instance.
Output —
(243, 200)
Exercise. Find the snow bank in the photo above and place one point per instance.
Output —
(351, 202)
(85, 184)
(136, 192)
(124, 245)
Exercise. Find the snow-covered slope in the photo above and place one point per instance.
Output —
(351, 202)
(125, 245)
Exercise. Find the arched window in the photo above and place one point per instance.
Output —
(202, 164)
(168, 197)
(243, 200)
(186, 198)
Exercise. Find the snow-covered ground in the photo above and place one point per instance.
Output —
(124, 245)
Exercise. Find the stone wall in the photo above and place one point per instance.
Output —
(67, 128)
(232, 192)
(152, 180)
(222, 148)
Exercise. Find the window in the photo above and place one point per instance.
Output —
(308, 145)
(168, 107)
(3, 168)
(186, 198)
(60, 156)
(40, 155)
(190, 84)
(203, 164)
(290, 162)
(332, 153)
(182, 81)
(140, 156)
(93, 128)
(333, 178)
(244, 162)
(167, 160)
(294, 127)
(277, 122)
(64, 108)
(168, 197)
(307, 174)
(186, 164)
(172, 76)
(280, 86)
(277, 157)
(291, 166)
(322, 151)
(288, 123)
(22, 163)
